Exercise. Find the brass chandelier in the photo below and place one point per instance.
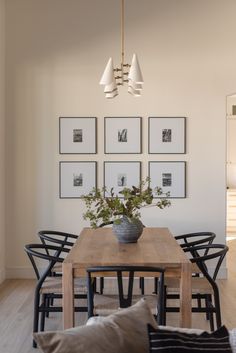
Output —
(126, 73)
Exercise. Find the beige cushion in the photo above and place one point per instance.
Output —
(122, 332)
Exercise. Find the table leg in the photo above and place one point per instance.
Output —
(186, 295)
(68, 295)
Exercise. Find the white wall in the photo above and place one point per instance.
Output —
(2, 140)
(56, 52)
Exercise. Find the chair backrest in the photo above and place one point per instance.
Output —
(51, 254)
(193, 239)
(214, 251)
(121, 273)
(58, 238)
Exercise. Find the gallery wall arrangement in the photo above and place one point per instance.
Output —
(122, 135)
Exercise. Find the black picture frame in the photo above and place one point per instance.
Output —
(167, 135)
(120, 170)
(69, 183)
(164, 179)
(116, 129)
(73, 139)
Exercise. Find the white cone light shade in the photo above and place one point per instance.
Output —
(111, 87)
(135, 86)
(108, 74)
(112, 94)
(135, 93)
(135, 73)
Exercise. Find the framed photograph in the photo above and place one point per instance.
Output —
(77, 135)
(118, 175)
(77, 179)
(167, 135)
(122, 135)
(170, 176)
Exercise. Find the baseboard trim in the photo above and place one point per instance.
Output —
(28, 273)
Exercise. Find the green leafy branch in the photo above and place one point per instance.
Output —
(105, 209)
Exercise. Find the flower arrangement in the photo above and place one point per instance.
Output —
(103, 209)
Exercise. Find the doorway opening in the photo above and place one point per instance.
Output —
(231, 167)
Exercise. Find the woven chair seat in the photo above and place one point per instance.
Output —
(107, 304)
(199, 285)
(54, 285)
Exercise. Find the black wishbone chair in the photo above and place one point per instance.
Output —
(203, 287)
(65, 240)
(104, 305)
(49, 287)
(60, 239)
(186, 241)
(194, 239)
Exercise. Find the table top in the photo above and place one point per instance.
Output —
(99, 247)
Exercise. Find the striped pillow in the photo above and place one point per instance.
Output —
(164, 341)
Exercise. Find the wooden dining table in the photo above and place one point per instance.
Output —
(99, 247)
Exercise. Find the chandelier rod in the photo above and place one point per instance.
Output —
(122, 41)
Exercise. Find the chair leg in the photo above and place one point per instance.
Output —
(217, 308)
(95, 285)
(36, 315)
(164, 305)
(141, 285)
(199, 302)
(51, 301)
(90, 295)
(101, 285)
(207, 300)
(45, 303)
(155, 285)
(48, 302)
(161, 300)
(210, 313)
(211, 319)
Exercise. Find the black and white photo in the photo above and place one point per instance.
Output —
(170, 176)
(122, 180)
(166, 179)
(166, 135)
(77, 179)
(119, 175)
(77, 135)
(122, 135)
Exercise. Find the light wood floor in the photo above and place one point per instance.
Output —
(16, 308)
